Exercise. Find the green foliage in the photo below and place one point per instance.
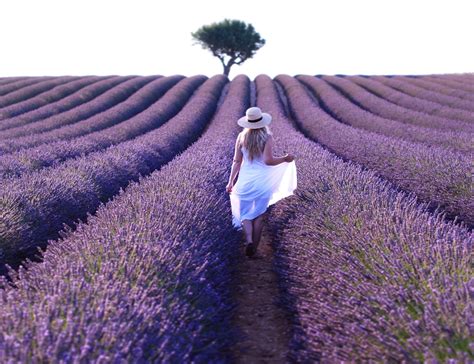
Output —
(232, 41)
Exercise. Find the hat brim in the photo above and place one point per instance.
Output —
(244, 123)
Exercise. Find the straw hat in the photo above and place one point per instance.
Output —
(254, 118)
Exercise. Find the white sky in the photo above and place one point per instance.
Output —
(142, 37)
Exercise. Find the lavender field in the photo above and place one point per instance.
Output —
(116, 237)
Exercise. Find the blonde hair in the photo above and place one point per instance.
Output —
(254, 140)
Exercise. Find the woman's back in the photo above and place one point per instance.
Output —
(256, 151)
(257, 162)
(246, 155)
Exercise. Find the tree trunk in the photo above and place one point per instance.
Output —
(227, 68)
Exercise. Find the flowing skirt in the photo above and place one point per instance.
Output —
(259, 186)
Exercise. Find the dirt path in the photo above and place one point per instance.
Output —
(264, 325)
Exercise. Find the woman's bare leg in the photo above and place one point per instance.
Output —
(248, 229)
(257, 229)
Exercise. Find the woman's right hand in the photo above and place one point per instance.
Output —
(289, 157)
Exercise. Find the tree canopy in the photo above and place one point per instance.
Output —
(232, 41)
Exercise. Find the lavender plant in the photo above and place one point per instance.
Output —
(368, 273)
(466, 79)
(436, 176)
(34, 89)
(136, 283)
(18, 84)
(453, 83)
(39, 204)
(48, 97)
(97, 114)
(344, 106)
(445, 89)
(389, 110)
(139, 121)
(34, 116)
(416, 91)
(7, 80)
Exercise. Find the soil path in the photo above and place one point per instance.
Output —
(264, 325)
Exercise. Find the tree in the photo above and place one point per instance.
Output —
(232, 41)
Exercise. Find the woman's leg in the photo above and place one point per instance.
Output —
(248, 229)
(257, 229)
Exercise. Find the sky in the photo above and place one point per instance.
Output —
(142, 37)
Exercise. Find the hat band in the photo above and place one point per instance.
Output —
(254, 121)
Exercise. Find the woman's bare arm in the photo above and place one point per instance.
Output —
(236, 162)
(268, 157)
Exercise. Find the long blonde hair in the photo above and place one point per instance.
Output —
(254, 140)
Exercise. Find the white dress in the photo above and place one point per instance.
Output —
(258, 186)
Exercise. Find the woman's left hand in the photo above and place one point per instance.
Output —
(228, 188)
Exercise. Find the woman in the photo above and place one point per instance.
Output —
(263, 179)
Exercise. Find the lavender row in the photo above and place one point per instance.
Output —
(100, 113)
(431, 85)
(467, 79)
(465, 76)
(110, 94)
(49, 198)
(111, 108)
(443, 115)
(387, 109)
(139, 253)
(367, 274)
(27, 92)
(433, 174)
(48, 97)
(454, 84)
(422, 93)
(8, 80)
(18, 123)
(355, 106)
(18, 84)
(131, 118)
